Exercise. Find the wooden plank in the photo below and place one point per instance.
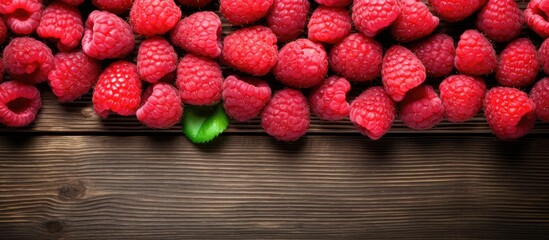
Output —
(252, 187)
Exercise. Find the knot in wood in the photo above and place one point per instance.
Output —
(54, 226)
(72, 190)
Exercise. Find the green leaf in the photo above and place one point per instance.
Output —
(203, 124)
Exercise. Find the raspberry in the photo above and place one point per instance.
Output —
(540, 95)
(455, 10)
(19, 103)
(3, 31)
(27, 59)
(509, 112)
(199, 80)
(113, 6)
(422, 108)
(437, 54)
(22, 16)
(287, 18)
(329, 100)
(195, 3)
(372, 16)
(461, 97)
(118, 90)
(543, 56)
(357, 58)
(329, 25)
(335, 3)
(1, 70)
(62, 23)
(475, 55)
(251, 50)
(199, 33)
(107, 36)
(156, 59)
(414, 22)
(74, 75)
(161, 106)
(286, 116)
(301, 64)
(401, 71)
(518, 64)
(72, 2)
(240, 12)
(154, 17)
(373, 112)
(244, 98)
(500, 20)
(536, 17)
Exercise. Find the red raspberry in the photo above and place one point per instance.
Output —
(437, 54)
(244, 98)
(543, 56)
(335, 3)
(357, 58)
(118, 90)
(107, 36)
(154, 17)
(536, 17)
(500, 20)
(509, 112)
(72, 2)
(475, 55)
(27, 59)
(461, 97)
(240, 12)
(373, 112)
(518, 64)
(414, 22)
(422, 108)
(455, 10)
(286, 116)
(156, 59)
(199, 80)
(161, 106)
(372, 16)
(1, 70)
(113, 6)
(3, 31)
(22, 16)
(19, 103)
(401, 71)
(329, 100)
(199, 33)
(287, 18)
(62, 23)
(195, 3)
(540, 95)
(251, 50)
(74, 75)
(301, 64)
(329, 24)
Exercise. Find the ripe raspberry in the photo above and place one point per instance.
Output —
(455, 10)
(62, 23)
(1, 70)
(3, 31)
(536, 17)
(287, 18)
(329, 24)
(195, 3)
(335, 3)
(509, 112)
(500, 20)
(357, 58)
(72, 2)
(329, 100)
(27, 59)
(414, 22)
(543, 56)
(199, 80)
(74, 75)
(373, 112)
(461, 97)
(437, 54)
(199, 33)
(19, 103)
(286, 116)
(518, 64)
(156, 59)
(422, 108)
(540, 95)
(107, 36)
(372, 16)
(161, 106)
(244, 98)
(239, 12)
(251, 50)
(301, 64)
(113, 6)
(154, 17)
(401, 71)
(22, 16)
(118, 90)
(475, 55)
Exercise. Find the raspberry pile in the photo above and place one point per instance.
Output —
(283, 61)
